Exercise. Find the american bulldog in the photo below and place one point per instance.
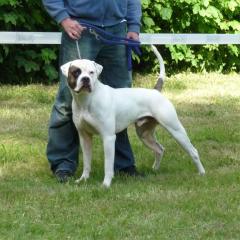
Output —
(100, 109)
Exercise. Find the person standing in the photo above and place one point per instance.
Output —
(118, 17)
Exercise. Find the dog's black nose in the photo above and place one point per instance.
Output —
(86, 80)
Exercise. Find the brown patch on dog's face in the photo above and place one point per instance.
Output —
(73, 74)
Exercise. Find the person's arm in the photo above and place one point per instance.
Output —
(58, 12)
(134, 14)
(56, 9)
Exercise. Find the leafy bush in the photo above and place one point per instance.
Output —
(194, 16)
(27, 63)
(33, 63)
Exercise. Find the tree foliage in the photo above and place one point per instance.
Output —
(38, 63)
(27, 63)
(195, 16)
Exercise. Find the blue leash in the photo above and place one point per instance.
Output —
(110, 39)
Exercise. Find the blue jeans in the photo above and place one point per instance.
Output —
(63, 143)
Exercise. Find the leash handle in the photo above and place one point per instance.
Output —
(98, 31)
(110, 39)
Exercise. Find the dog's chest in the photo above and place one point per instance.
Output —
(84, 121)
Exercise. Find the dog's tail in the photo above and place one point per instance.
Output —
(161, 76)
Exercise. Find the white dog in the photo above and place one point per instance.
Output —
(100, 109)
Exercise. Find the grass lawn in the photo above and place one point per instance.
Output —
(173, 203)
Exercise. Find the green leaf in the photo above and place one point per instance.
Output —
(232, 5)
(235, 25)
(234, 50)
(148, 21)
(205, 3)
(51, 72)
(196, 8)
(28, 65)
(211, 13)
(166, 13)
(10, 18)
(5, 49)
(158, 8)
(224, 25)
(48, 55)
(9, 2)
(145, 3)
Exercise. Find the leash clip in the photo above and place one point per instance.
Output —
(94, 33)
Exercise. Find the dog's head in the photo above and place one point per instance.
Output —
(81, 74)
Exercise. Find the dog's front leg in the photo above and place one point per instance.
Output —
(109, 152)
(86, 145)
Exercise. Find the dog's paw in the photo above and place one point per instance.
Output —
(202, 172)
(107, 182)
(84, 177)
(106, 185)
(156, 165)
(158, 158)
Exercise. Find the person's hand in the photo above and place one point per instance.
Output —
(133, 36)
(72, 28)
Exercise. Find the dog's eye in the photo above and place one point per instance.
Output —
(91, 72)
(76, 73)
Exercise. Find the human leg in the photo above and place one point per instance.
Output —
(63, 142)
(115, 74)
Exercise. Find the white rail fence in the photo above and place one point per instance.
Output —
(145, 38)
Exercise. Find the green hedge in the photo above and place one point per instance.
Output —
(32, 63)
(195, 16)
(27, 63)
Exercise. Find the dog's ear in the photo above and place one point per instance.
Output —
(64, 68)
(99, 68)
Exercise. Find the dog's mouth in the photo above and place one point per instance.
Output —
(84, 88)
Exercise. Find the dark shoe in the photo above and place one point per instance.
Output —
(63, 176)
(130, 172)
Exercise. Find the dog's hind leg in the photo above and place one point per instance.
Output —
(176, 129)
(145, 129)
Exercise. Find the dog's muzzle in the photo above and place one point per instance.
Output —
(85, 84)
